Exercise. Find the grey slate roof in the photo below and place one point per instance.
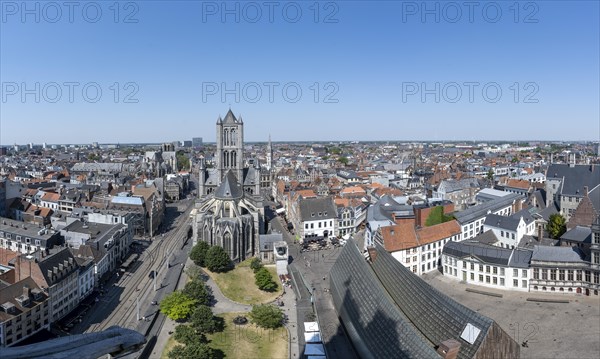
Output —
(557, 254)
(511, 222)
(314, 209)
(485, 253)
(578, 234)
(575, 177)
(229, 188)
(375, 325)
(267, 240)
(435, 315)
(451, 185)
(487, 237)
(480, 210)
(230, 117)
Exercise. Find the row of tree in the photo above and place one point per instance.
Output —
(191, 304)
(262, 277)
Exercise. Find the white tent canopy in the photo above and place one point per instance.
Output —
(311, 327)
(314, 349)
(312, 337)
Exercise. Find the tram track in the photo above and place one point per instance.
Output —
(152, 259)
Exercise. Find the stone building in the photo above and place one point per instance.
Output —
(229, 212)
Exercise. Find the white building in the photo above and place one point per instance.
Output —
(318, 217)
(509, 230)
(471, 219)
(488, 266)
(418, 249)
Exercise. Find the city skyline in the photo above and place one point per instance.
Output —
(151, 72)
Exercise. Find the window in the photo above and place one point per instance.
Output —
(502, 282)
(501, 233)
(513, 236)
(473, 276)
(481, 277)
(481, 267)
(487, 278)
(495, 280)
(524, 273)
(515, 272)
(495, 270)
(544, 274)
(523, 284)
(501, 271)
(578, 273)
(552, 274)
(561, 274)
(487, 269)
(515, 282)
(570, 275)
(472, 266)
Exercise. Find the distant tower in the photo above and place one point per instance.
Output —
(230, 146)
(269, 154)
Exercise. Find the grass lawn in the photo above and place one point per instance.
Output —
(249, 341)
(171, 342)
(238, 285)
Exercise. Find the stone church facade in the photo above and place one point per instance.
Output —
(229, 212)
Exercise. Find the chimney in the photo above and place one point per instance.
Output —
(585, 191)
(448, 349)
(540, 232)
(372, 253)
(26, 291)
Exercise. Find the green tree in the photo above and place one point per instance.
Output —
(183, 162)
(203, 320)
(194, 350)
(187, 335)
(437, 216)
(343, 160)
(267, 316)
(197, 289)
(490, 175)
(177, 306)
(217, 260)
(198, 253)
(255, 264)
(264, 280)
(557, 225)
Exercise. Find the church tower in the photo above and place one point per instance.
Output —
(230, 146)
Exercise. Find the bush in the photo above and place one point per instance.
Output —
(217, 260)
(264, 280)
(556, 225)
(267, 316)
(255, 264)
(198, 253)
(197, 289)
(177, 306)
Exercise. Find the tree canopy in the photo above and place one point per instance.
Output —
(267, 316)
(177, 305)
(217, 260)
(264, 280)
(196, 289)
(203, 320)
(198, 253)
(557, 225)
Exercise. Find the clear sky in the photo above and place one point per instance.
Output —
(384, 70)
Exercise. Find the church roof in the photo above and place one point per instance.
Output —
(230, 117)
(229, 188)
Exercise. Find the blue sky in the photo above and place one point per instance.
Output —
(384, 70)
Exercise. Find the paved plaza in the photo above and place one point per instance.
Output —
(552, 330)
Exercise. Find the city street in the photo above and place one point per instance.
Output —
(309, 272)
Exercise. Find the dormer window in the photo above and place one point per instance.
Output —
(320, 214)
